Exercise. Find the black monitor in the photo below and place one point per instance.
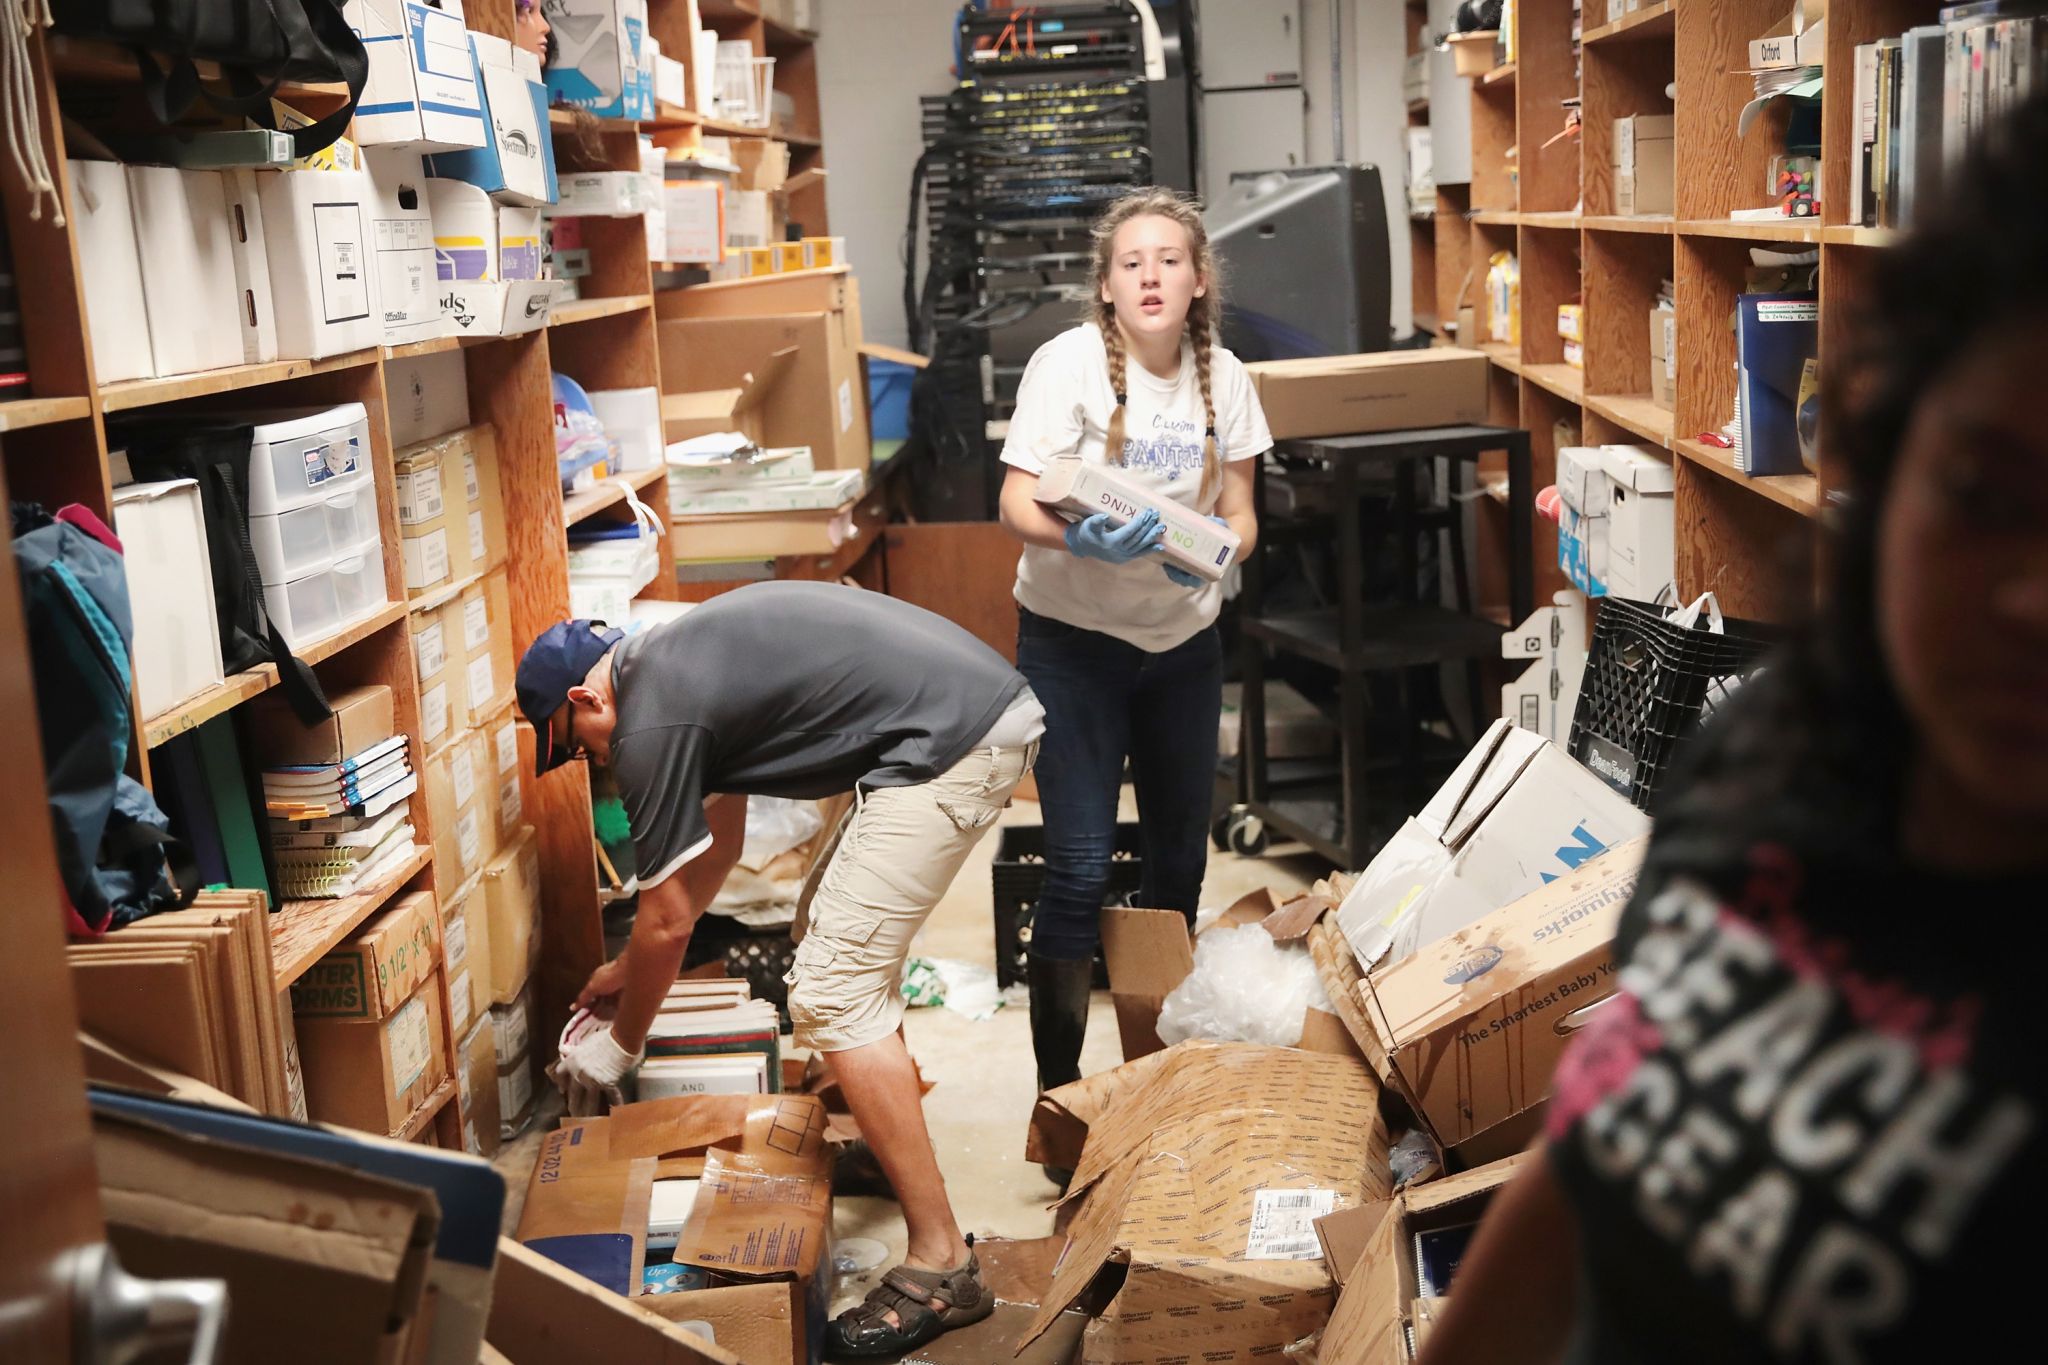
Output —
(1305, 262)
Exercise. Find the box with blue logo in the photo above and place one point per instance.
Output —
(1585, 504)
(422, 89)
(605, 59)
(1473, 1024)
(516, 162)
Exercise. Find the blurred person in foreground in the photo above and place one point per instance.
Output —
(1808, 1127)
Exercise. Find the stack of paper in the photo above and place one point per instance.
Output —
(828, 488)
(339, 828)
(712, 1039)
(707, 462)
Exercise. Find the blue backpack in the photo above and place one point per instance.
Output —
(114, 847)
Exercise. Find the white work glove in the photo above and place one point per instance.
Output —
(590, 1067)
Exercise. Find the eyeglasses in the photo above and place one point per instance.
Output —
(570, 749)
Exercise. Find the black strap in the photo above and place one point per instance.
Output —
(346, 51)
(172, 92)
(123, 842)
(301, 685)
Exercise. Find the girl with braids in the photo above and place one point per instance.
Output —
(1120, 646)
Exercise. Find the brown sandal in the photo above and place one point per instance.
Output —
(864, 1332)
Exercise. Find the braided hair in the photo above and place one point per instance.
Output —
(1203, 314)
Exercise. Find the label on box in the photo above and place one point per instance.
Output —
(845, 404)
(433, 713)
(410, 1043)
(480, 681)
(1284, 1224)
(463, 1087)
(510, 803)
(294, 1073)
(476, 623)
(1671, 345)
(326, 460)
(479, 548)
(469, 841)
(511, 1031)
(462, 775)
(455, 940)
(426, 559)
(338, 243)
(508, 746)
(469, 1142)
(430, 650)
(515, 1090)
(458, 1007)
(472, 483)
(419, 495)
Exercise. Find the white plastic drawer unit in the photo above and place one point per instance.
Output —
(314, 605)
(291, 544)
(302, 455)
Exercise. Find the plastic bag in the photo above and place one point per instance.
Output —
(775, 825)
(1412, 1159)
(961, 987)
(1245, 988)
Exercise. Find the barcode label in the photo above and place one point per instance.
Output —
(1283, 1224)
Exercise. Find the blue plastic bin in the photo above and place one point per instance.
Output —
(889, 398)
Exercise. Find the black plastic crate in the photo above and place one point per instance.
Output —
(1645, 683)
(1018, 877)
(759, 957)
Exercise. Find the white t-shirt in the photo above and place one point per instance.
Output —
(1064, 406)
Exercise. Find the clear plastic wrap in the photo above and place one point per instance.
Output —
(1245, 988)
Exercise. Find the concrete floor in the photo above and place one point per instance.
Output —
(984, 1082)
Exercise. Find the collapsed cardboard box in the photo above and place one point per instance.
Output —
(1472, 1025)
(1386, 391)
(760, 1227)
(705, 412)
(1019, 1274)
(1402, 1253)
(1196, 1176)
(542, 1314)
(1150, 952)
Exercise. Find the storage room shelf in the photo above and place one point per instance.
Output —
(796, 139)
(719, 127)
(569, 118)
(1418, 106)
(430, 1109)
(21, 413)
(1391, 637)
(242, 686)
(1656, 223)
(1500, 75)
(1503, 354)
(1497, 217)
(81, 60)
(1800, 492)
(1843, 235)
(303, 932)
(142, 393)
(1560, 379)
(782, 35)
(1636, 412)
(727, 9)
(1644, 25)
(1566, 221)
(1774, 230)
(668, 115)
(582, 506)
(587, 310)
(435, 346)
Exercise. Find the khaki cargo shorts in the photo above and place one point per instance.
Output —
(897, 855)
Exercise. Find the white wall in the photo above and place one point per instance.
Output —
(876, 57)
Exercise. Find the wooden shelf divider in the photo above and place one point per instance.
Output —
(582, 506)
(1560, 379)
(302, 932)
(19, 414)
(1800, 492)
(586, 310)
(1637, 412)
(143, 393)
(1649, 23)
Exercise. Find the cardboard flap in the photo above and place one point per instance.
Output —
(1507, 759)
(803, 180)
(773, 1133)
(705, 405)
(764, 381)
(1346, 1233)
(1337, 968)
(747, 1222)
(1254, 907)
(1455, 1189)
(1148, 952)
(542, 1314)
(897, 354)
(1365, 1326)
(1637, 470)
(1292, 921)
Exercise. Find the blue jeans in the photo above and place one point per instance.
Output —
(1106, 700)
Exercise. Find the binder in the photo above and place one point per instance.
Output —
(1776, 334)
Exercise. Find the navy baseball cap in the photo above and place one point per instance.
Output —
(559, 659)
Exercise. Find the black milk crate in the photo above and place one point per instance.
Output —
(759, 957)
(1018, 877)
(1646, 681)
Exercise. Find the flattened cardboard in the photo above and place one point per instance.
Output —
(1475, 1022)
(542, 1314)
(1386, 391)
(1209, 1117)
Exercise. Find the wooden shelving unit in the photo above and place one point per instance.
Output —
(303, 932)
(1751, 540)
(583, 506)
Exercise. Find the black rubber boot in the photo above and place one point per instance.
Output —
(1059, 1023)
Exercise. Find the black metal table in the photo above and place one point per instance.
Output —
(1330, 806)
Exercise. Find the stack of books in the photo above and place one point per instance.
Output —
(340, 828)
(712, 1038)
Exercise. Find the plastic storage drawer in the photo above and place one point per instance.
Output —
(359, 581)
(302, 455)
(306, 609)
(292, 544)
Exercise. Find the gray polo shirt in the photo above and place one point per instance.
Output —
(791, 689)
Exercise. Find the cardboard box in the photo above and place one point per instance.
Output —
(1575, 355)
(465, 833)
(487, 657)
(372, 1073)
(187, 260)
(693, 215)
(1150, 952)
(825, 406)
(402, 248)
(363, 716)
(255, 313)
(512, 1033)
(503, 308)
(1078, 488)
(519, 242)
(603, 63)
(501, 739)
(671, 81)
(440, 543)
(1295, 728)
(516, 163)
(1545, 695)
(478, 1081)
(705, 412)
(515, 1096)
(1518, 813)
(1643, 164)
(765, 535)
(1664, 356)
(544, 1314)
(315, 237)
(466, 950)
(110, 268)
(1642, 522)
(1187, 1163)
(170, 591)
(443, 705)
(1474, 1023)
(632, 417)
(763, 163)
(1791, 43)
(1583, 518)
(826, 252)
(601, 194)
(1387, 391)
(512, 896)
(748, 222)
(373, 971)
(425, 396)
(422, 90)
(1571, 321)
(588, 1208)
(1383, 1290)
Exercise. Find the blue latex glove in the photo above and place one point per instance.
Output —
(1099, 537)
(1182, 576)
